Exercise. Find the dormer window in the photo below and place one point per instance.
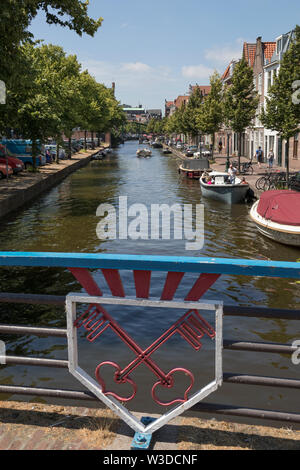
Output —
(278, 45)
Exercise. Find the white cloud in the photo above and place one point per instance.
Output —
(138, 67)
(201, 72)
(136, 81)
(224, 54)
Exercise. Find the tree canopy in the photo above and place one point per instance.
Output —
(17, 15)
(282, 113)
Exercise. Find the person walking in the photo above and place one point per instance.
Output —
(259, 156)
(271, 158)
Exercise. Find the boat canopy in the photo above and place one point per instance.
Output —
(280, 206)
(195, 164)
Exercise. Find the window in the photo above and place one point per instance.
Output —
(279, 45)
(269, 80)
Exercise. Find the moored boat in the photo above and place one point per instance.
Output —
(217, 186)
(143, 153)
(277, 216)
(193, 168)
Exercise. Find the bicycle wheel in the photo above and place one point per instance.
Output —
(260, 183)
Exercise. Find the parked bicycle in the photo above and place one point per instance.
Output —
(246, 168)
(276, 180)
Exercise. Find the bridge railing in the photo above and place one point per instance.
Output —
(208, 269)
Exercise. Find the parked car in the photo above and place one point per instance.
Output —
(4, 170)
(179, 145)
(16, 164)
(190, 150)
(22, 150)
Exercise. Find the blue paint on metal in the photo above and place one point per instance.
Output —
(154, 263)
(142, 440)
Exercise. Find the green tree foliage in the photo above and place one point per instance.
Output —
(211, 113)
(56, 97)
(16, 16)
(190, 122)
(175, 122)
(282, 113)
(241, 100)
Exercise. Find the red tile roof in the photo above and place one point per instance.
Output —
(249, 53)
(169, 103)
(204, 88)
(226, 73)
(269, 49)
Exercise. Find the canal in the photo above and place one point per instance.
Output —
(64, 220)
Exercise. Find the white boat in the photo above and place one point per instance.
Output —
(144, 153)
(277, 216)
(221, 189)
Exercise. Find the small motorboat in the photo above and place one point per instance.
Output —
(193, 168)
(144, 153)
(98, 156)
(277, 216)
(216, 185)
(166, 151)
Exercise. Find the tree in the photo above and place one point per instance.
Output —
(175, 124)
(241, 101)
(41, 107)
(16, 16)
(211, 113)
(190, 121)
(282, 113)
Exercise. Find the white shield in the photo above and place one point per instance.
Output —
(92, 385)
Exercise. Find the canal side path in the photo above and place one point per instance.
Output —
(220, 165)
(22, 188)
(37, 426)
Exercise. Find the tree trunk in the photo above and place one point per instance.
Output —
(287, 162)
(34, 151)
(98, 139)
(70, 148)
(57, 153)
(85, 145)
(239, 150)
(213, 145)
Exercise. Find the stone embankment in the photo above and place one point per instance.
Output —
(21, 189)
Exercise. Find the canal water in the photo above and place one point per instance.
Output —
(64, 220)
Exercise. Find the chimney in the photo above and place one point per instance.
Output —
(113, 87)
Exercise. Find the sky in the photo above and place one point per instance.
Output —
(154, 50)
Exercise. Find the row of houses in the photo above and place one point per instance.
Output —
(182, 100)
(140, 114)
(265, 59)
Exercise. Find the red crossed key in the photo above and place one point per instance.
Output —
(191, 326)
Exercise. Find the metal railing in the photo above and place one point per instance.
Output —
(208, 266)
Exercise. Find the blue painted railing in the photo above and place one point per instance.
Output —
(229, 266)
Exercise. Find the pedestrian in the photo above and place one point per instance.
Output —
(259, 156)
(220, 146)
(271, 158)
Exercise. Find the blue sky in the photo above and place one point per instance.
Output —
(153, 50)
